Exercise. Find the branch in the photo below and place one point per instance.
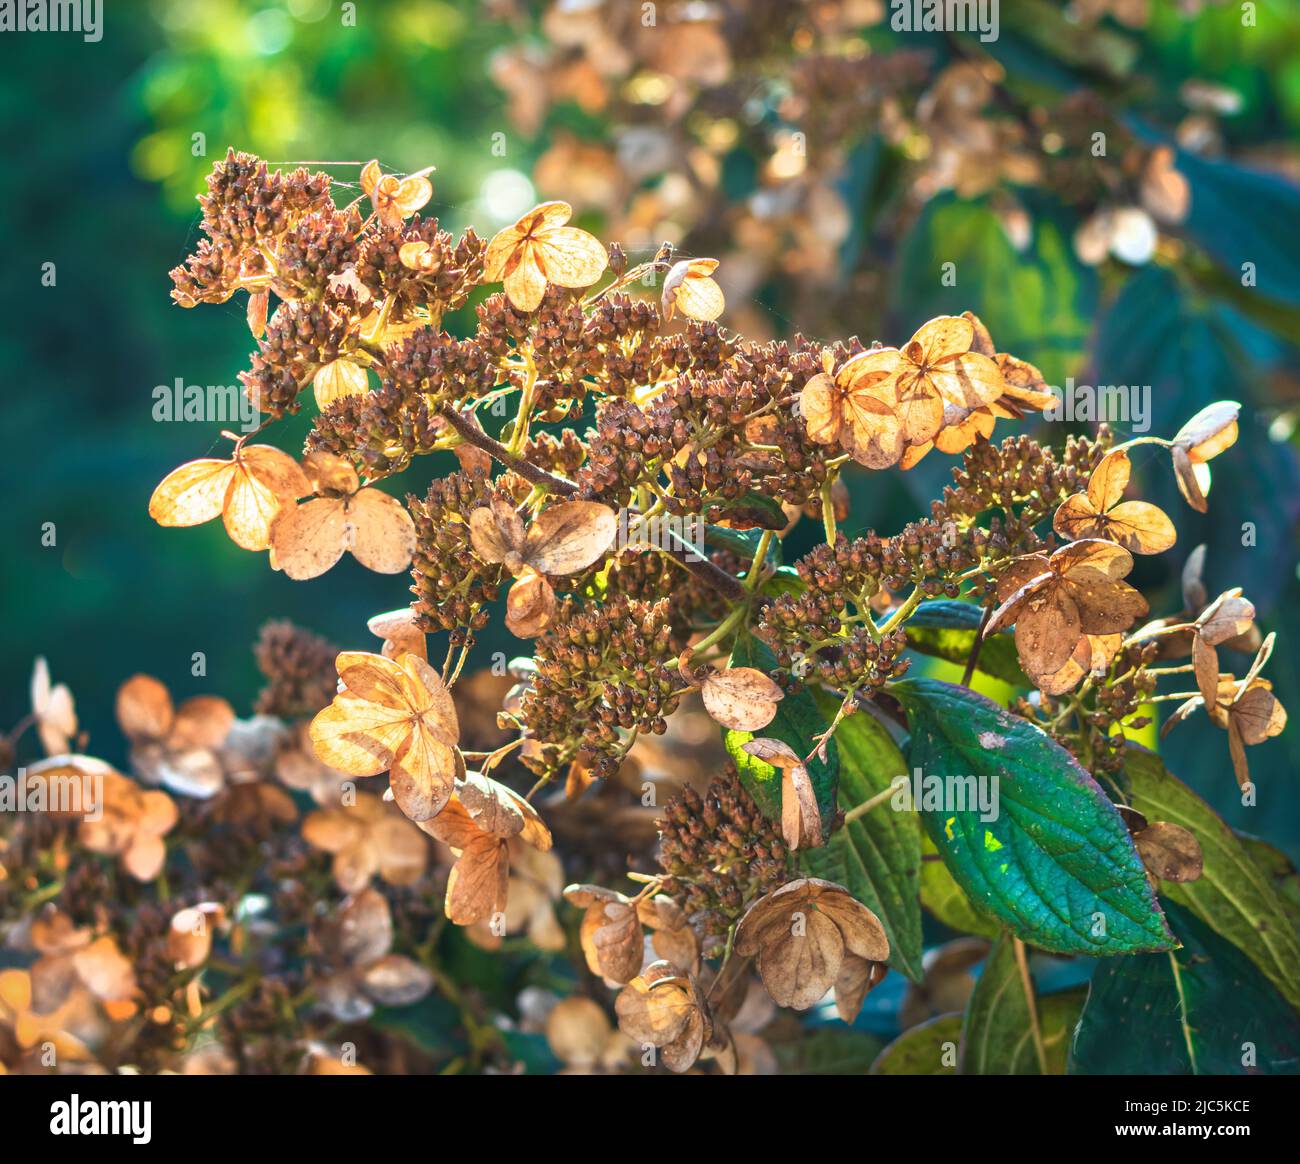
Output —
(472, 433)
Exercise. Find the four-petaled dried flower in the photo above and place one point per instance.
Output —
(394, 198)
(248, 491)
(178, 747)
(562, 539)
(1246, 708)
(539, 249)
(480, 821)
(366, 838)
(664, 1008)
(611, 935)
(689, 287)
(396, 717)
(1056, 601)
(308, 539)
(856, 409)
(1101, 512)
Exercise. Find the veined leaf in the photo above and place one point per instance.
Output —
(1056, 864)
(1201, 1010)
(878, 856)
(997, 1033)
(927, 1049)
(1234, 895)
(945, 899)
(797, 722)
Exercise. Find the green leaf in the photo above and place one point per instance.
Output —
(432, 1025)
(946, 629)
(1234, 895)
(784, 580)
(742, 542)
(1199, 1010)
(754, 508)
(997, 1034)
(797, 721)
(878, 856)
(1057, 865)
(829, 1051)
(1281, 872)
(927, 1049)
(1219, 190)
(945, 899)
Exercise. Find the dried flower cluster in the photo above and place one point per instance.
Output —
(329, 838)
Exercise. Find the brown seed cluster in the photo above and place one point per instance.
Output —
(602, 676)
(299, 670)
(247, 207)
(451, 584)
(720, 852)
(845, 584)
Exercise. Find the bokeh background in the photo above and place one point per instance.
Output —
(686, 134)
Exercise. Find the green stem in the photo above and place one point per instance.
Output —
(867, 805)
(903, 613)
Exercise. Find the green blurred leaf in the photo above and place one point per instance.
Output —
(1037, 304)
(1220, 189)
(927, 1049)
(997, 1033)
(829, 1051)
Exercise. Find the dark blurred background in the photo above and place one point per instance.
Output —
(103, 167)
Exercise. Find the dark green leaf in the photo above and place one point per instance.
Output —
(1057, 865)
(997, 1033)
(1234, 895)
(742, 542)
(945, 899)
(1214, 220)
(878, 856)
(1200, 1010)
(829, 1051)
(927, 1049)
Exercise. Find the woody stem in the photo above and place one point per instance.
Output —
(473, 434)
